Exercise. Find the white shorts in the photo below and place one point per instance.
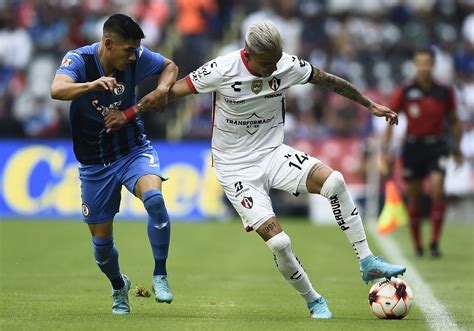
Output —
(247, 187)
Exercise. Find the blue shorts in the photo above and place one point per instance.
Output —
(101, 184)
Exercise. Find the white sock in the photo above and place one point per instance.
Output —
(290, 267)
(346, 214)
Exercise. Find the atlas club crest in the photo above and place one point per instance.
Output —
(274, 83)
(247, 202)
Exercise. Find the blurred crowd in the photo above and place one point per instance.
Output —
(369, 42)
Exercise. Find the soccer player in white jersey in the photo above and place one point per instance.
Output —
(250, 158)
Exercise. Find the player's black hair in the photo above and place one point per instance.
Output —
(425, 50)
(124, 26)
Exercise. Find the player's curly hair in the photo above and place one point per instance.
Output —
(124, 26)
(263, 38)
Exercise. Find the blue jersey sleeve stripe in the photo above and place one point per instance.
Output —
(68, 73)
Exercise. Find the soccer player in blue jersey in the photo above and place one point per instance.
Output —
(100, 80)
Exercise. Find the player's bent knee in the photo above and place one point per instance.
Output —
(155, 206)
(279, 242)
(331, 185)
(153, 200)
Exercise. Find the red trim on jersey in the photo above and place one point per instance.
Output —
(191, 85)
(246, 63)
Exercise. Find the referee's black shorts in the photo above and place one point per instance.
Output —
(422, 155)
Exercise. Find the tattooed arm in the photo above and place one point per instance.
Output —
(346, 89)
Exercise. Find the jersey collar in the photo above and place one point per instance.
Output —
(246, 63)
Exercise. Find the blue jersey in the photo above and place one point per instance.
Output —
(92, 145)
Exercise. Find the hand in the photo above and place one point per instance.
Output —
(155, 100)
(114, 119)
(382, 111)
(103, 84)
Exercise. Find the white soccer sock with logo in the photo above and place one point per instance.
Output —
(290, 267)
(346, 213)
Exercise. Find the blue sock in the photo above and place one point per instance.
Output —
(158, 228)
(106, 257)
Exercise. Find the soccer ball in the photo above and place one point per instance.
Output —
(391, 298)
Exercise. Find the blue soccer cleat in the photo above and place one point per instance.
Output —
(120, 304)
(161, 288)
(374, 267)
(319, 309)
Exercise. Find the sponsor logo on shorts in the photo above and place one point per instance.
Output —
(85, 210)
(242, 192)
(247, 202)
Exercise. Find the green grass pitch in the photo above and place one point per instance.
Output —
(222, 279)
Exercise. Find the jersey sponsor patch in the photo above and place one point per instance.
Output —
(414, 94)
(252, 123)
(257, 86)
(66, 62)
(414, 110)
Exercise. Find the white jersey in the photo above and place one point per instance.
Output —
(248, 110)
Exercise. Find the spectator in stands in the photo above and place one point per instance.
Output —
(194, 21)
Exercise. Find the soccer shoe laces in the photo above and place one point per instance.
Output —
(120, 295)
(162, 284)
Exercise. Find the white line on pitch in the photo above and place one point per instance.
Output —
(434, 312)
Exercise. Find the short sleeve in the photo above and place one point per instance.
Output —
(206, 78)
(301, 70)
(396, 100)
(148, 63)
(73, 65)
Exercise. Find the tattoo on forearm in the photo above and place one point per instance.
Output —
(338, 85)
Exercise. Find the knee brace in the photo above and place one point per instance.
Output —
(279, 242)
(332, 184)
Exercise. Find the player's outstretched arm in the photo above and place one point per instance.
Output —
(115, 119)
(158, 98)
(346, 89)
(179, 89)
(63, 87)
